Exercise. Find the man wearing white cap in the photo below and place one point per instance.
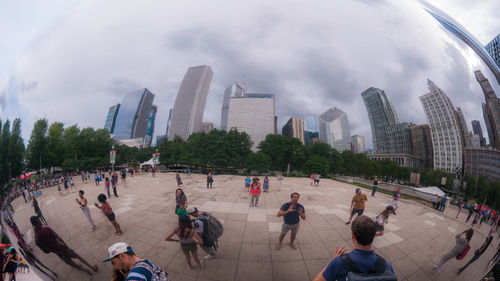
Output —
(126, 263)
(201, 226)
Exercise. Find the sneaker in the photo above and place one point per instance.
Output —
(209, 257)
(293, 246)
(256, 205)
(347, 223)
(278, 247)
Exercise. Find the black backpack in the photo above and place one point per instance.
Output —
(377, 273)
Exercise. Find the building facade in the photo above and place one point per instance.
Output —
(462, 125)
(207, 127)
(421, 141)
(493, 49)
(111, 118)
(294, 128)
(135, 116)
(311, 129)
(187, 113)
(483, 162)
(389, 136)
(447, 143)
(491, 110)
(234, 90)
(403, 160)
(358, 144)
(253, 114)
(476, 129)
(334, 129)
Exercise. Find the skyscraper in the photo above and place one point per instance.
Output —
(358, 144)
(294, 128)
(168, 122)
(207, 127)
(150, 129)
(476, 128)
(462, 125)
(111, 118)
(334, 129)
(447, 143)
(234, 90)
(493, 49)
(134, 116)
(388, 135)
(253, 114)
(311, 129)
(491, 110)
(189, 104)
(421, 141)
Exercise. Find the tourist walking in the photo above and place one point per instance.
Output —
(434, 201)
(114, 181)
(178, 179)
(210, 180)
(357, 204)
(248, 181)
(82, 201)
(254, 192)
(49, 242)
(180, 200)
(395, 198)
(188, 172)
(65, 181)
(316, 179)
(188, 239)
(362, 262)
(209, 229)
(11, 264)
(460, 206)
(470, 214)
(382, 219)
(128, 267)
(291, 212)
(96, 179)
(478, 252)
(279, 178)
(108, 212)
(123, 173)
(374, 187)
(312, 178)
(460, 246)
(106, 185)
(38, 212)
(443, 203)
(265, 186)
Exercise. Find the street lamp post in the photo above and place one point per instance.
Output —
(113, 162)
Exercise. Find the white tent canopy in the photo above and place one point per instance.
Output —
(431, 190)
(149, 162)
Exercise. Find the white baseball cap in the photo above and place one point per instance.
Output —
(116, 249)
(191, 209)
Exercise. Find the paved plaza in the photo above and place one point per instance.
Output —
(413, 242)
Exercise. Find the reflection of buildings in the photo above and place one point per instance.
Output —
(311, 130)
(207, 127)
(234, 90)
(253, 114)
(447, 143)
(189, 104)
(358, 144)
(462, 126)
(421, 141)
(334, 129)
(493, 49)
(470, 41)
(476, 128)
(135, 119)
(111, 118)
(483, 162)
(294, 128)
(491, 110)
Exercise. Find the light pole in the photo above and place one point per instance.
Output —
(113, 161)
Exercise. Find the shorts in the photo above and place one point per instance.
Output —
(188, 247)
(378, 227)
(357, 211)
(294, 228)
(111, 217)
(316, 180)
(10, 268)
(395, 203)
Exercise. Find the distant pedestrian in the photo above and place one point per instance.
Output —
(188, 172)
(124, 177)
(210, 180)
(108, 212)
(114, 181)
(460, 246)
(178, 179)
(82, 201)
(316, 179)
(312, 178)
(291, 212)
(188, 239)
(470, 214)
(382, 219)
(38, 212)
(434, 201)
(11, 264)
(153, 170)
(279, 178)
(374, 186)
(106, 184)
(460, 206)
(443, 203)
(254, 193)
(265, 186)
(357, 204)
(248, 181)
(180, 200)
(66, 191)
(395, 198)
(438, 203)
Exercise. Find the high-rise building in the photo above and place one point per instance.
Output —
(491, 110)
(207, 127)
(168, 122)
(294, 128)
(483, 162)
(187, 113)
(334, 129)
(135, 116)
(358, 144)
(311, 129)
(111, 118)
(462, 125)
(493, 49)
(253, 114)
(388, 135)
(150, 129)
(447, 143)
(234, 90)
(421, 141)
(476, 129)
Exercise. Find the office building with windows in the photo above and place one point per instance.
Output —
(483, 162)
(234, 90)
(311, 129)
(111, 118)
(421, 141)
(358, 144)
(334, 129)
(477, 130)
(187, 113)
(294, 128)
(493, 49)
(491, 110)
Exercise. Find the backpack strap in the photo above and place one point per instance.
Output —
(348, 264)
(380, 265)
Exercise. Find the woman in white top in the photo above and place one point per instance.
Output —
(188, 239)
(383, 219)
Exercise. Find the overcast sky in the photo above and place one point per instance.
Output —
(70, 61)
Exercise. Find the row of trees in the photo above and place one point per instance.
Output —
(11, 150)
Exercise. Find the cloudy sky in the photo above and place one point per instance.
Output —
(70, 61)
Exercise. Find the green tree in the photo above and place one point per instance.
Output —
(72, 143)
(16, 149)
(259, 162)
(37, 145)
(316, 164)
(283, 151)
(4, 150)
(237, 146)
(55, 145)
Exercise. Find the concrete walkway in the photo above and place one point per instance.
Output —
(414, 241)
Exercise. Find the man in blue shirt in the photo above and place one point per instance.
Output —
(363, 233)
(126, 263)
(292, 212)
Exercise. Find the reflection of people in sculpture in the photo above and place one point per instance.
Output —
(11, 263)
(27, 252)
(478, 252)
(48, 241)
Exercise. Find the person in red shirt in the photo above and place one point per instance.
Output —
(106, 209)
(254, 192)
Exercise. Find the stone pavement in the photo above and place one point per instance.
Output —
(414, 240)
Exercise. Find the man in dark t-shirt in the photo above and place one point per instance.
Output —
(49, 242)
(291, 212)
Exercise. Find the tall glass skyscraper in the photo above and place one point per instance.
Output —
(388, 135)
(493, 49)
(311, 129)
(111, 118)
(189, 104)
(476, 128)
(134, 115)
(234, 90)
(334, 129)
(491, 110)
